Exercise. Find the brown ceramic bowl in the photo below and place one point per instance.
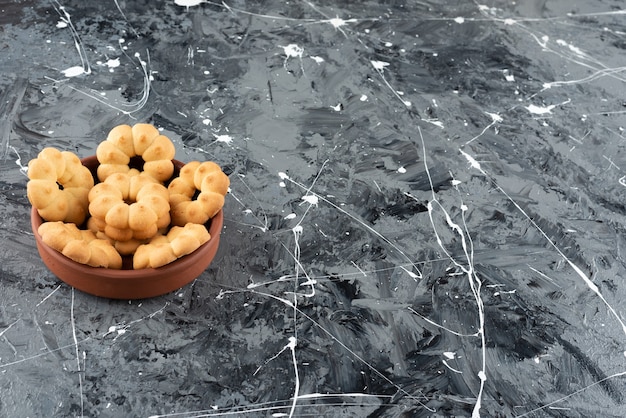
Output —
(128, 283)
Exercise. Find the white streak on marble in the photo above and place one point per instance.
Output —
(336, 340)
(358, 268)
(123, 107)
(67, 20)
(47, 296)
(18, 161)
(8, 327)
(590, 284)
(264, 223)
(466, 266)
(78, 365)
(445, 363)
(550, 405)
(495, 119)
(338, 207)
(604, 72)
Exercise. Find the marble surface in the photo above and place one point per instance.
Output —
(426, 215)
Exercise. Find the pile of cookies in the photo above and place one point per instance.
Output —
(141, 213)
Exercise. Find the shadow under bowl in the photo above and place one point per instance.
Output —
(128, 283)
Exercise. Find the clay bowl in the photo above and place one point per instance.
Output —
(128, 283)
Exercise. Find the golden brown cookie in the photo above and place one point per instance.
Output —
(58, 186)
(142, 140)
(212, 184)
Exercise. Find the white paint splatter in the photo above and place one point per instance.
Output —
(571, 47)
(475, 164)
(540, 110)
(283, 176)
(379, 65)
(459, 20)
(508, 76)
(401, 170)
(188, 3)
(337, 108)
(113, 63)
(495, 117)
(73, 71)
(337, 22)
(227, 139)
(293, 51)
(435, 122)
(311, 199)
